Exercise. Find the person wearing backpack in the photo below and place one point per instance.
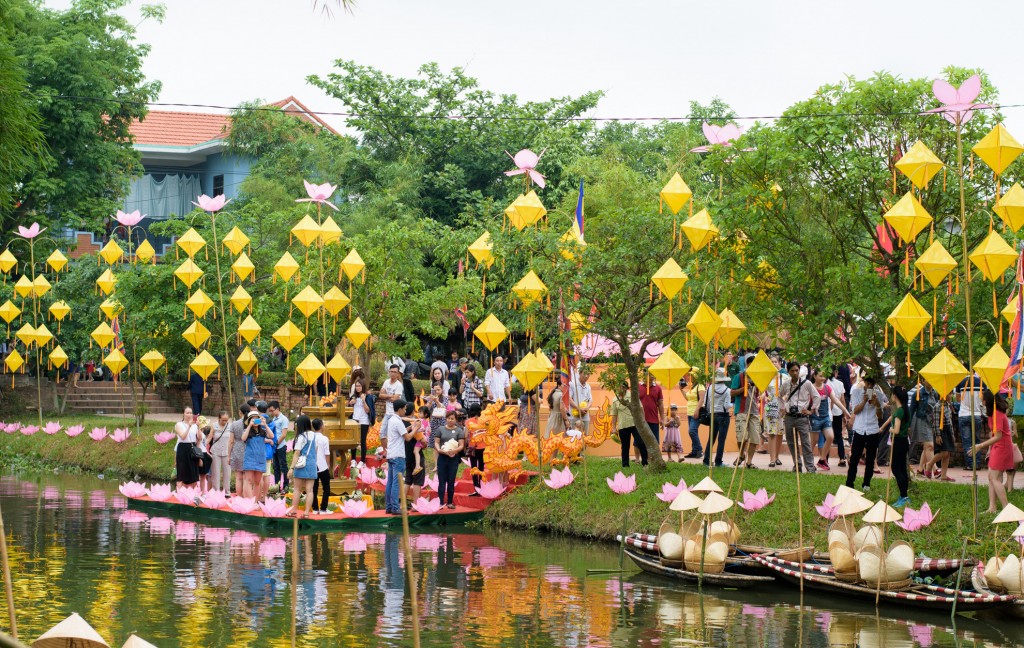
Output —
(717, 406)
(303, 470)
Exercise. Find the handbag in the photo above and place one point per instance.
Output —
(1017, 456)
(197, 452)
(300, 463)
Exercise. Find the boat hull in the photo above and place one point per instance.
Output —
(725, 579)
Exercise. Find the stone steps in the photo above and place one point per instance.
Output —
(105, 397)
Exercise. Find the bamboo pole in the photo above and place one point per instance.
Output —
(228, 367)
(409, 568)
(800, 502)
(295, 562)
(8, 589)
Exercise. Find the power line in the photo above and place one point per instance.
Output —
(516, 118)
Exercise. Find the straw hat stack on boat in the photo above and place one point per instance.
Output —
(1007, 574)
(885, 568)
(670, 542)
(843, 541)
(75, 632)
(716, 549)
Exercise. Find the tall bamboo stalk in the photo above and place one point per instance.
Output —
(223, 314)
(8, 589)
(409, 567)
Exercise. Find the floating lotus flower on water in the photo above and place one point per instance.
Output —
(426, 506)
(755, 501)
(243, 505)
(132, 489)
(121, 435)
(129, 219)
(430, 481)
(98, 434)
(319, 194)
(355, 508)
(215, 499)
(914, 520)
(560, 478)
(273, 548)
(490, 489)
(829, 508)
(211, 205)
(160, 492)
(163, 437)
(621, 484)
(74, 430)
(274, 507)
(52, 427)
(186, 495)
(11, 428)
(29, 429)
(30, 232)
(670, 491)
(368, 476)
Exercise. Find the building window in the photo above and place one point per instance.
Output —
(218, 185)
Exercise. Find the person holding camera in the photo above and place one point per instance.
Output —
(798, 399)
(867, 403)
(256, 437)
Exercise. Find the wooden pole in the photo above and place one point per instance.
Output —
(409, 569)
(798, 456)
(295, 563)
(8, 590)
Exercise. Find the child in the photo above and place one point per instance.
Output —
(453, 404)
(672, 442)
(421, 430)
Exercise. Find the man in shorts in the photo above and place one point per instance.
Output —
(749, 426)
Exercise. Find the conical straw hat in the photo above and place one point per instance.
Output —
(1019, 532)
(72, 628)
(1009, 514)
(685, 501)
(844, 491)
(881, 513)
(707, 485)
(840, 557)
(135, 641)
(714, 503)
(899, 562)
(854, 504)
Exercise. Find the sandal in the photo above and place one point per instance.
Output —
(751, 466)
(771, 464)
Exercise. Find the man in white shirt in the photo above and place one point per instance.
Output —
(498, 382)
(580, 399)
(838, 421)
(798, 399)
(396, 434)
(391, 391)
(323, 465)
(279, 424)
(866, 400)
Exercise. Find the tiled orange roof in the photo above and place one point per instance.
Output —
(293, 106)
(168, 128)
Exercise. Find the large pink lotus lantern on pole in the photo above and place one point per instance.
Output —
(957, 103)
(526, 164)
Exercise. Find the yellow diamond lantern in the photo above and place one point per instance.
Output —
(919, 164)
(335, 299)
(286, 266)
(908, 218)
(308, 301)
(152, 360)
(578, 326)
(13, 361)
(7, 261)
(529, 372)
(23, 286)
(704, 323)
(40, 286)
(191, 242)
(111, 252)
(111, 308)
(9, 311)
(992, 367)
(199, 303)
(908, 318)
(543, 360)
(249, 329)
(491, 332)
(196, 334)
(240, 299)
(288, 335)
(571, 243)
(246, 360)
(993, 256)
(944, 372)
(935, 264)
(670, 278)
(145, 251)
(1011, 207)
(530, 289)
(669, 368)
(481, 250)
(58, 358)
(329, 231)
(235, 240)
(1009, 311)
(513, 215)
(26, 334)
(998, 149)
(352, 264)
(762, 371)
(43, 335)
(676, 193)
(306, 230)
(310, 369)
(699, 229)
(188, 272)
(530, 208)
(59, 310)
(204, 364)
(57, 261)
(102, 334)
(730, 330)
(357, 333)
(115, 361)
(338, 368)
(242, 266)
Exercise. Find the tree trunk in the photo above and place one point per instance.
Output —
(654, 459)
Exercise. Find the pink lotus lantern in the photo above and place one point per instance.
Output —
(355, 508)
(526, 162)
(829, 508)
(74, 430)
(669, 491)
(160, 492)
(273, 548)
(755, 501)
(131, 219)
(29, 430)
(957, 103)
(490, 489)
(320, 194)
(621, 484)
(30, 232)
(98, 434)
(274, 508)
(914, 520)
(426, 506)
(52, 427)
(132, 490)
(367, 475)
(215, 499)
(186, 495)
(211, 205)
(11, 428)
(718, 136)
(560, 478)
(242, 505)
(121, 435)
(430, 482)
(163, 437)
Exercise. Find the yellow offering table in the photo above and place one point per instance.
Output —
(343, 434)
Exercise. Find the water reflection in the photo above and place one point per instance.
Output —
(75, 547)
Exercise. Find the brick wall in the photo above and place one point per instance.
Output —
(23, 397)
(292, 398)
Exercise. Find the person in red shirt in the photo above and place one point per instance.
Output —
(653, 402)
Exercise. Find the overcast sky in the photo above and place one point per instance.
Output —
(650, 58)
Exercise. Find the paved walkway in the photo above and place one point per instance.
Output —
(168, 418)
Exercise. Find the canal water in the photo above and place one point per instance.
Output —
(75, 547)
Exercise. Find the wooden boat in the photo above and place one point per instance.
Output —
(923, 566)
(978, 580)
(740, 555)
(652, 565)
(930, 597)
(331, 522)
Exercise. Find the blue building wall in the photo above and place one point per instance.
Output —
(232, 167)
